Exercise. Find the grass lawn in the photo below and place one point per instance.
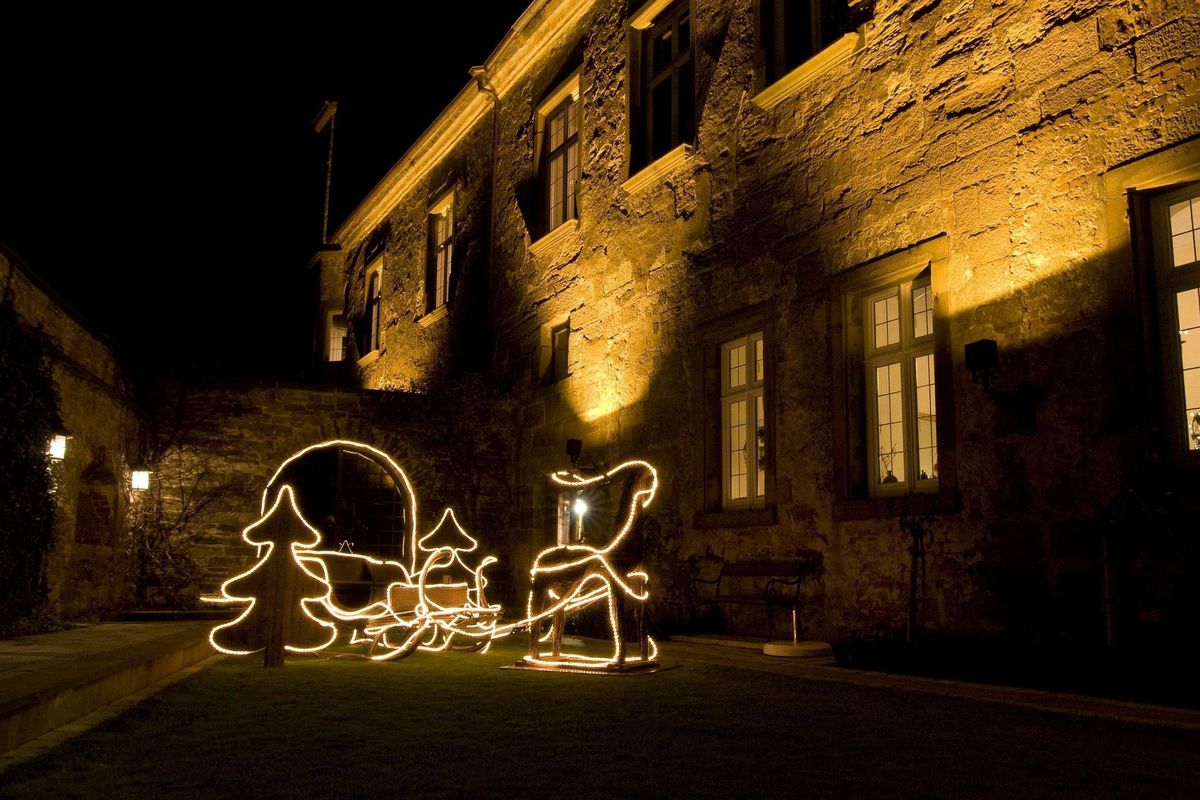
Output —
(454, 725)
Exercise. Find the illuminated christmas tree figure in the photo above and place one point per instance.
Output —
(282, 589)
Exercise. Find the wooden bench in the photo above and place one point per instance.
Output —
(781, 591)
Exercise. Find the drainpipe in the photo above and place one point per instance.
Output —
(484, 84)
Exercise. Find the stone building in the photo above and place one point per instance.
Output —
(843, 272)
(88, 567)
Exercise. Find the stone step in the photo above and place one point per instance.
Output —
(52, 679)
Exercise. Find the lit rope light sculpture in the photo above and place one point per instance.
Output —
(571, 577)
(415, 611)
(274, 577)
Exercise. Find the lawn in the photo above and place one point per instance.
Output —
(454, 725)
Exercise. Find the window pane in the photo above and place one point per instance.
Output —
(886, 317)
(1181, 217)
(835, 20)
(572, 178)
(687, 105)
(758, 359)
(922, 311)
(337, 338)
(572, 114)
(737, 450)
(660, 134)
(761, 441)
(1188, 304)
(926, 418)
(889, 421)
(1183, 249)
(661, 48)
(798, 32)
(1185, 241)
(556, 193)
(685, 32)
(556, 131)
(737, 366)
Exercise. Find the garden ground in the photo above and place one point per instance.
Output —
(719, 724)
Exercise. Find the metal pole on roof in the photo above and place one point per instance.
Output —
(326, 118)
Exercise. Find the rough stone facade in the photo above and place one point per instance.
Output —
(987, 140)
(232, 440)
(87, 570)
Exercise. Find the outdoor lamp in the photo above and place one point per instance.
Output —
(581, 506)
(983, 360)
(574, 449)
(57, 447)
(139, 478)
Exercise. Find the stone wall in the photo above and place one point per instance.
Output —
(230, 441)
(982, 132)
(87, 570)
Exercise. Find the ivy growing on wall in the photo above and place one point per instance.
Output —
(28, 409)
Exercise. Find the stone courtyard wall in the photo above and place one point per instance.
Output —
(87, 570)
(232, 440)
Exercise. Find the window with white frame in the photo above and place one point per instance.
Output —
(743, 422)
(559, 167)
(374, 316)
(336, 337)
(439, 270)
(900, 386)
(1176, 226)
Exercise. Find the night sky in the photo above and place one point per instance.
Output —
(162, 174)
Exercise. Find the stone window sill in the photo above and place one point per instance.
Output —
(945, 501)
(736, 518)
(554, 238)
(810, 70)
(433, 316)
(370, 358)
(659, 169)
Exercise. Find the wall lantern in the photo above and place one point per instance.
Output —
(57, 448)
(982, 359)
(574, 450)
(139, 478)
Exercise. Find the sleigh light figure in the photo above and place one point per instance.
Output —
(571, 577)
(430, 597)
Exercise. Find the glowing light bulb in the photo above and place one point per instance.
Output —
(581, 507)
(57, 449)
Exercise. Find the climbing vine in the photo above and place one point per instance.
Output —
(28, 408)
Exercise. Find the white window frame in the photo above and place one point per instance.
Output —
(568, 92)
(441, 255)
(905, 351)
(751, 393)
(332, 315)
(1170, 281)
(374, 310)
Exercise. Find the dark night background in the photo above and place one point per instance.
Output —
(161, 171)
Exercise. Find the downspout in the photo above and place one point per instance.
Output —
(484, 84)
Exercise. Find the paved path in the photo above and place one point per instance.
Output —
(1078, 705)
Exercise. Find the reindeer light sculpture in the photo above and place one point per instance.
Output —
(570, 577)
